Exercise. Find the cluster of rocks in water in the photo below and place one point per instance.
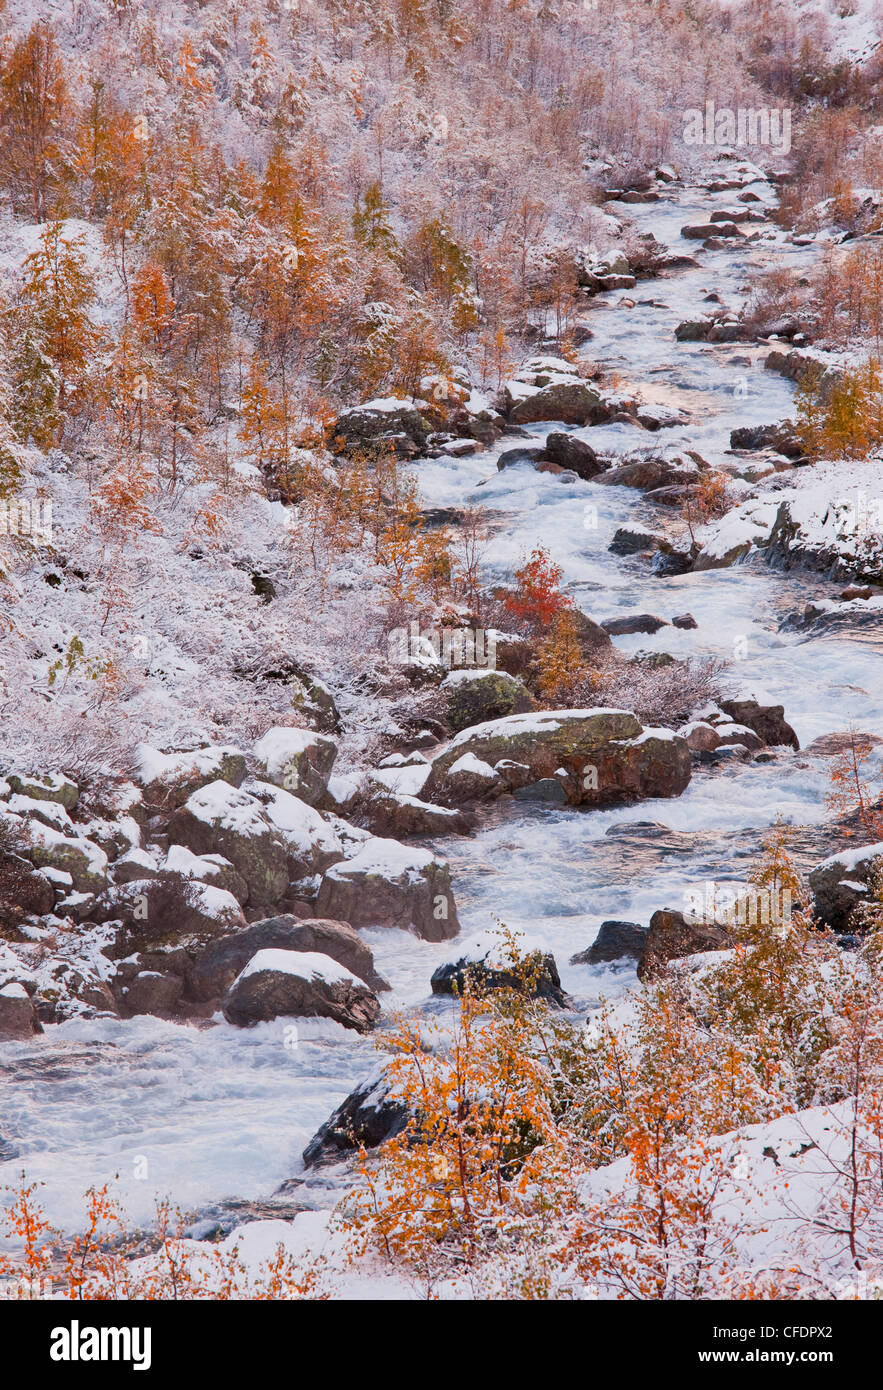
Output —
(453, 420)
(221, 879)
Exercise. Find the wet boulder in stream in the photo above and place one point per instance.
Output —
(606, 756)
(218, 964)
(485, 965)
(391, 885)
(370, 1115)
(843, 882)
(550, 388)
(299, 984)
(672, 936)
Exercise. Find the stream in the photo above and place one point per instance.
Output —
(216, 1117)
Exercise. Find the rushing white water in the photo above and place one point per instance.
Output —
(207, 1114)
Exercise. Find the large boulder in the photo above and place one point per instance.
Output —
(299, 984)
(651, 472)
(567, 451)
(168, 908)
(18, 1016)
(310, 844)
(511, 458)
(378, 424)
(615, 941)
(634, 622)
(767, 721)
(298, 760)
(606, 755)
(700, 231)
(781, 437)
(24, 891)
(701, 736)
(390, 885)
(269, 836)
(138, 864)
(219, 819)
(84, 861)
(469, 779)
(485, 965)
(397, 815)
(169, 779)
(53, 786)
(370, 1115)
(632, 540)
(550, 388)
(731, 734)
(843, 882)
(213, 869)
(572, 402)
(51, 813)
(217, 966)
(474, 696)
(150, 992)
(672, 936)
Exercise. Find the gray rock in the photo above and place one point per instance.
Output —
(629, 540)
(842, 882)
(18, 1016)
(388, 885)
(51, 787)
(698, 231)
(369, 1116)
(541, 980)
(635, 622)
(510, 458)
(767, 721)
(615, 941)
(572, 402)
(299, 760)
(474, 696)
(151, 992)
(626, 763)
(547, 789)
(572, 453)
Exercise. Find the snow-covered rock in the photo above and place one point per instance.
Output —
(476, 696)
(84, 861)
(210, 868)
(220, 819)
(299, 984)
(390, 885)
(485, 963)
(310, 844)
(606, 755)
(298, 760)
(218, 964)
(51, 787)
(841, 882)
(170, 778)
